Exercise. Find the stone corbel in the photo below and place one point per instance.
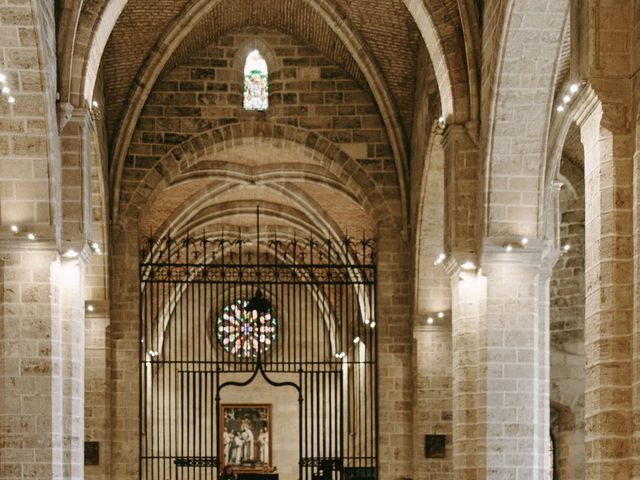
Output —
(64, 112)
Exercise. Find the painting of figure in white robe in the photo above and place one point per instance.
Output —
(245, 437)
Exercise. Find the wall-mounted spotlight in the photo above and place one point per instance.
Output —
(70, 253)
(468, 265)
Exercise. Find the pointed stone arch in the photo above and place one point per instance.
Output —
(337, 164)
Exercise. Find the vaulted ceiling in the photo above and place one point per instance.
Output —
(386, 28)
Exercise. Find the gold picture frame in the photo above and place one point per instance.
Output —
(245, 437)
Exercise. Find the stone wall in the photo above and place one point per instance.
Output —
(306, 91)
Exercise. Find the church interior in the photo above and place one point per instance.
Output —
(320, 239)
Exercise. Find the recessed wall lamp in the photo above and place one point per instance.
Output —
(70, 253)
(510, 246)
(441, 258)
(31, 236)
(432, 316)
(95, 248)
(15, 229)
(566, 248)
(568, 96)
(90, 308)
(468, 266)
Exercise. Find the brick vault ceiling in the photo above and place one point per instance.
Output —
(385, 25)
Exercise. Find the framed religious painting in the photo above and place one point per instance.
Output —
(245, 437)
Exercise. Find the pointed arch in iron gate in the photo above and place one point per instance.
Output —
(324, 345)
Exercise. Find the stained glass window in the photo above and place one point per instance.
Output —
(243, 332)
(256, 82)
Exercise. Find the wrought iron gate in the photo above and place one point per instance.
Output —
(218, 313)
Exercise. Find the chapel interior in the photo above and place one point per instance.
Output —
(320, 239)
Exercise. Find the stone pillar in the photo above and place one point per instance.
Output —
(432, 393)
(500, 331)
(98, 388)
(468, 293)
(609, 299)
(41, 363)
(75, 141)
(513, 367)
(125, 321)
(461, 192)
(394, 356)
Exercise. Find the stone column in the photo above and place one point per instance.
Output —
(41, 362)
(468, 292)
(394, 355)
(609, 299)
(125, 321)
(432, 393)
(500, 331)
(75, 141)
(98, 388)
(513, 367)
(461, 192)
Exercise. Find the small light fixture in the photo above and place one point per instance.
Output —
(566, 99)
(441, 122)
(367, 321)
(356, 340)
(372, 324)
(560, 108)
(11, 100)
(15, 229)
(90, 308)
(508, 248)
(430, 320)
(340, 355)
(524, 241)
(95, 104)
(574, 87)
(567, 247)
(468, 265)
(153, 353)
(31, 236)
(95, 248)
(440, 314)
(71, 253)
(3, 78)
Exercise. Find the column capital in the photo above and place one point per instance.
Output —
(457, 131)
(534, 253)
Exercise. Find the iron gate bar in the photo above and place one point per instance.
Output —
(325, 293)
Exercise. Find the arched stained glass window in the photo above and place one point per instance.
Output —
(256, 82)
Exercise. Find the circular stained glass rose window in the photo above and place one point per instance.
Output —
(243, 333)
